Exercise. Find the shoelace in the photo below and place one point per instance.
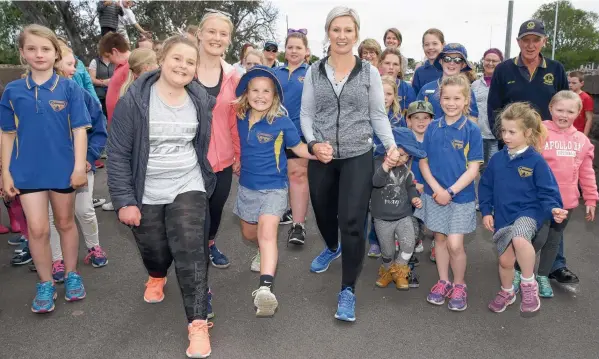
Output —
(94, 252)
(346, 300)
(57, 267)
(528, 293)
(257, 290)
(439, 288)
(44, 291)
(543, 281)
(154, 285)
(73, 281)
(458, 292)
(198, 330)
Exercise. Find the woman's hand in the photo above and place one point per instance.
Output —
(590, 213)
(442, 197)
(323, 151)
(130, 215)
(10, 192)
(489, 222)
(78, 179)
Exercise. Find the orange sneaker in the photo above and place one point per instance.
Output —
(154, 290)
(199, 339)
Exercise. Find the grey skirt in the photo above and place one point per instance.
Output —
(524, 227)
(251, 204)
(455, 218)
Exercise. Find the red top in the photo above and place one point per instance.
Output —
(587, 105)
(114, 88)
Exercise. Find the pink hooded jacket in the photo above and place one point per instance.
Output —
(569, 154)
(224, 148)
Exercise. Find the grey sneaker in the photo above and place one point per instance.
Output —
(108, 206)
(530, 305)
(255, 266)
(265, 302)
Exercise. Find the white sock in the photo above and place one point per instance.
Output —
(528, 280)
(509, 290)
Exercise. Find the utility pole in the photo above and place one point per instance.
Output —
(554, 31)
(287, 22)
(508, 30)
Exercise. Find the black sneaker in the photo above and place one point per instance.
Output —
(21, 258)
(287, 218)
(564, 276)
(98, 202)
(414, 262)
(297, 234)
(413, 281)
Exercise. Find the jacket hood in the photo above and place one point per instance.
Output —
(551, 126)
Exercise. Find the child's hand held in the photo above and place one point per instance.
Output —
(489, 223)
(590, 216)
(420, 188)
(78, 179)
(417, 202)
(442, 197)
(559, 214)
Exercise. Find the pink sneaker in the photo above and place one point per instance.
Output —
(502, 300)
(96, 256)
(58, 271)
(530, 305)
(439, 292)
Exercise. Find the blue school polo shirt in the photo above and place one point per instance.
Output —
(395, 121)
(430, 93)
(263, 160)
(449, 149)
(293, 85)
(406, 96)
(425, 74)
(416, 167)
(43, 117)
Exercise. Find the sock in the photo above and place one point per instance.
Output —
(351, 288)
(403, 258)
(387, 262)
(299, 224)
(509, 290)
(528, 280)
(266, 280)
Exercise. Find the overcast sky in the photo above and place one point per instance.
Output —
(474, 23)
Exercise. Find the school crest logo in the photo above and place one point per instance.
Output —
(264, 137)
(548, 79)
(457, 144)
(58, 105)
(524, 171)
(301, 79)
(530, 25)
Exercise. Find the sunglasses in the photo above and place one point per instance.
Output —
(270, 49)
(213, 11)
(455, 60)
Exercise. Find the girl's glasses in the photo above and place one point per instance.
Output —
(455, 60)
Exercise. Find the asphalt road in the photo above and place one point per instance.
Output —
(114, 321)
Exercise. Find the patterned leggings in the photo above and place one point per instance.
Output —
(178, 232)
(406, 233)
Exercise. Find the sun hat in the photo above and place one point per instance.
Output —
(258, 71)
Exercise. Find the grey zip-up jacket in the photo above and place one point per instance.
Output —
(129, 140)
(345, 113)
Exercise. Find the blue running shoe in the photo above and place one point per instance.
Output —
(96, 256)
(74, 289)
(346, 307)
(22, 246)
(44, 298)
(218, 259)
(22, 257)
(323, 260)
(210, 312)
(16, 240)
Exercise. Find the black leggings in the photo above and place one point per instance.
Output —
(219, 198)
(177, 232)
(551, 246)
(340, 193)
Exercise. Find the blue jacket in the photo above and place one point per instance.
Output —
(96, 135)
(524, 186)
(83, 79)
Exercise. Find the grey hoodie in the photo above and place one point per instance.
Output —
(129, 143)
(392, 192)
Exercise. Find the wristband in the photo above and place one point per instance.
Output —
(451, 192)
(311, 146)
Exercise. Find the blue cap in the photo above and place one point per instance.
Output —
(404, 138)
(271, 43)
(258, 71)
(532, 27)
(453, 48)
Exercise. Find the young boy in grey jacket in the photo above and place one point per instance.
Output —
(393, 195)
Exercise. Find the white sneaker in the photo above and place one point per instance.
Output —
(255, 266)
(108, 206)
(419, 247)
(265, 302)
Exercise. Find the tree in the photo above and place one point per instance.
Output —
(577, 35)
(11, 20)
(411, 64)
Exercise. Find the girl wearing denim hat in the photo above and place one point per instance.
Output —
(452, 61)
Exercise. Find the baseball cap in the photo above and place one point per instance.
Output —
(532, 27)
(420, 107)
(269, 43)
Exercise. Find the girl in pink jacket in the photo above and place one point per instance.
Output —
(569, 154)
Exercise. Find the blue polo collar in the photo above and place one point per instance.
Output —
(459, 124)
(520, 63)
(49, 85)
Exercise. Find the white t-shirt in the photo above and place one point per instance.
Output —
(93, 65)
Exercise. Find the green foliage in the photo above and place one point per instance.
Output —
(10, 18)
(577, 35)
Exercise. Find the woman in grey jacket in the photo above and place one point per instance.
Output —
(159, 179)
(342, 102)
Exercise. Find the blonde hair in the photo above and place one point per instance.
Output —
(370, 45)
(461, 81)
(176, 40)
(529, 119)
(388, 80)
(64, 52)
(138, 59)
(242, 105)
(216, 15)
(566, 95)
(340, 11)
(40, 31)
(256, 53)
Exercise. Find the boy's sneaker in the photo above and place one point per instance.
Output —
(44, 298)
(218, 259)
(73, 286)
(374, 251)
(346, 306)
(58, 271)
(413, 281)
(545, 290)
(98, 202)
(265, 302)
(297, 234)
(255, 266)
(17, 240)
(199, 339)
(96, 256)
(323, 260)
(210, 312)
(458, 298)
(531, 303)
(419, 248)
(22, 246)
(439, 292)
(384, 278)
(154, 290)
(414, 262)
(108, 206)
(22, 257)
(433, 257)
(400, 276)
(502, 300)
(286, 218)
(517, 280)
